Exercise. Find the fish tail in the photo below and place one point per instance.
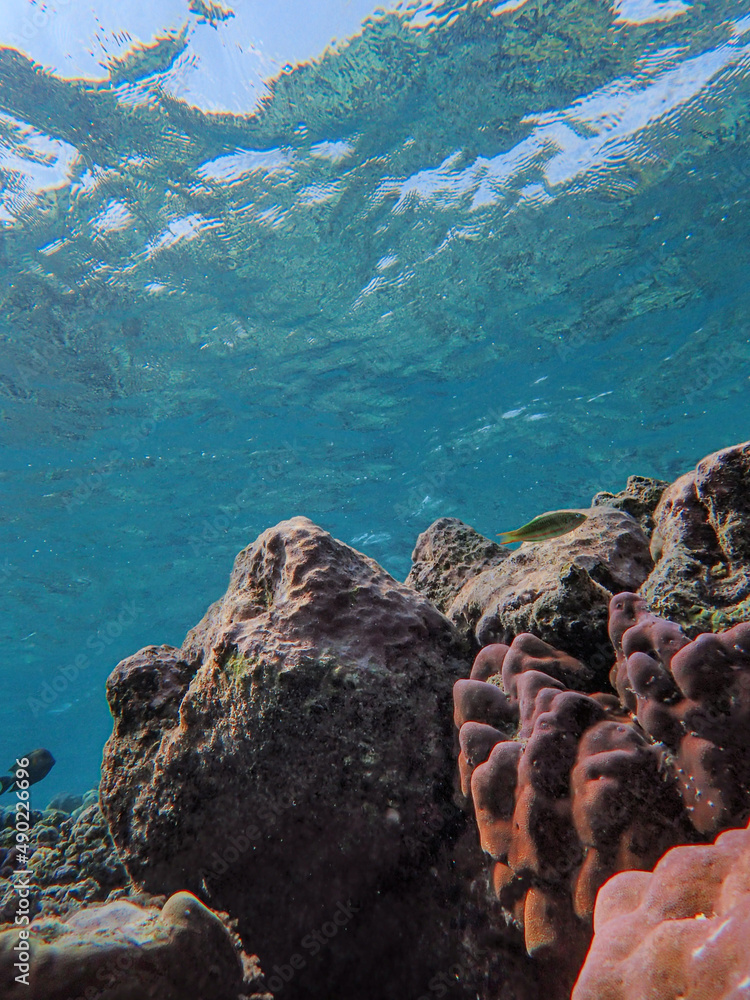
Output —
(507, 536)
(6, 780)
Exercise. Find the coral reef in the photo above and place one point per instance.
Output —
(701, 545)
(693, 697)
(72, 860)
(448, 554)
(677, 933)
(284, 762)
(291, 765)
(558, 589)
(566, 789)
(121, 951)
(570, 788)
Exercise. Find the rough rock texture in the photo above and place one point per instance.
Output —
(283, 763)
(558, 589)
(566, 790)
(72, 858)
(446, 556)
(639, 499)
(694, 697)
(120, 951)
(680, 932)
(702, 545)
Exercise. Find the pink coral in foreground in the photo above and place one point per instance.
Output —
(677, 933)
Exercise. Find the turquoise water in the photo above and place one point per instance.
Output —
(468, 261)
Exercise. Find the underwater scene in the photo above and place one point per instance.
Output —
(375, 500)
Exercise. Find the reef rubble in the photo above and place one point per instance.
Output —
(125, 951)
(72, 861)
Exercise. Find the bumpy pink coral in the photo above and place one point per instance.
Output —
(695, 698)
(677, 933)
(566, 790)
(570, 788)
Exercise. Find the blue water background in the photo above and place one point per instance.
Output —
(466, 263)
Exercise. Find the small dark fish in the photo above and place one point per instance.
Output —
(556, 522)
(39, 766)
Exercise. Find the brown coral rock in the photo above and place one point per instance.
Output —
(281, 763)
(646, 634)
(639, 499)
(528, 652)
(677, 933)
(446, 555)
(489, 661)
(702, 533)
(120, 951)
(559, 589)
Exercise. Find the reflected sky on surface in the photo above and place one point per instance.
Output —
(228, 53)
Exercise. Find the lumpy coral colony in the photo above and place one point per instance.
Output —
(569, 788)
(285, 781)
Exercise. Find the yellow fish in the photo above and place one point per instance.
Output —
(550, 525)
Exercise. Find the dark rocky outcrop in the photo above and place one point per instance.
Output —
(557, 589)
(701, 544)
(283, 763)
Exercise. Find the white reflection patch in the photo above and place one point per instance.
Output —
(647, 11)
(244, 163)
(115, 215)
(182, 229)
(31, 164)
